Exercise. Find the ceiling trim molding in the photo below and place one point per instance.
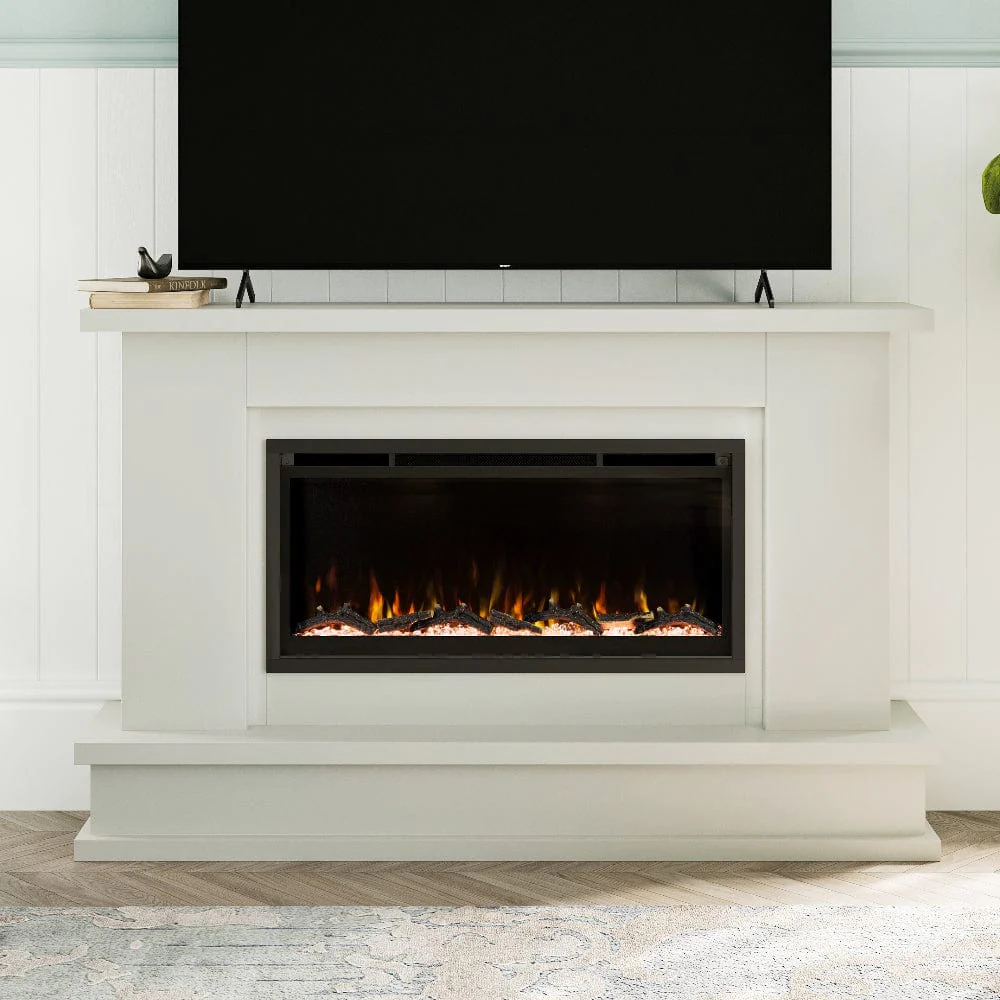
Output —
(915, 54)
(45, 53)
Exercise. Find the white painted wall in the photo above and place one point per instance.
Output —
(88, 173)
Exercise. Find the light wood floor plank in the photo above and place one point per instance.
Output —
(37, 869)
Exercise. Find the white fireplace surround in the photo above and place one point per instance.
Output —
(803, 756)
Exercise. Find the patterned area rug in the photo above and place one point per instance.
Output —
(515, 953)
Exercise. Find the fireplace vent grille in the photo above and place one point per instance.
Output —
(472, 460)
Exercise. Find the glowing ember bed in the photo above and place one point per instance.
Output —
(505, 556)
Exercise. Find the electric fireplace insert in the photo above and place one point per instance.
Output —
(505, 556)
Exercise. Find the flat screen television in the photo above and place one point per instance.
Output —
(547, 134)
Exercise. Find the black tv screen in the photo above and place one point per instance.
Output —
(365, 134)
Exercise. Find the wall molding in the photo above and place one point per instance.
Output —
(101, 691)
(46, 53)
(916, 54)
(13, 693)
(963, 691)
(157, 52)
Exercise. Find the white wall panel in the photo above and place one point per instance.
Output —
(532, 286)
(292, 286)
(835, 285)
(706, 286)
(880, 273)
(937, 377)
(589, 286)
(473, 286)
(359, 286)
(125, 220)
(879, 185)
(19, 281)
(68, 382)
(416, 286)
(983, 380)
(647, 286)
(165, 163)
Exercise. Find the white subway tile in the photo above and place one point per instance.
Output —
(474, 286)
(647, 286)
(359, 286)
(531, 286)
(416, 286)
(590, 286)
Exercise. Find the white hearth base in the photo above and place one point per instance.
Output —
(508, 793)
(924, 846)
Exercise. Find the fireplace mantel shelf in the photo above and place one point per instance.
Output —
(580, 318)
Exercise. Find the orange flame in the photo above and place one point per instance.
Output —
(513, 598)
(496, 591)
(377, 607)
(514, 603)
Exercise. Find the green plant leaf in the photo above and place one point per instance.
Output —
(991, 186)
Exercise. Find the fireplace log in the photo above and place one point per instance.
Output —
(575, 615)
(686, 616)
(618, 616)
(689, 616)
(401, 623)
(502, 620)
(344, 615)
(461, 615)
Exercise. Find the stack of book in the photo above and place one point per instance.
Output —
(150, 293)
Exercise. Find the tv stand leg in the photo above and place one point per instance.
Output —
(246, 288)
(763, 288)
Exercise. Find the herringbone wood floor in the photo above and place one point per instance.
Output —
(37, 869)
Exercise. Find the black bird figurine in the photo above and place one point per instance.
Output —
(149, 268)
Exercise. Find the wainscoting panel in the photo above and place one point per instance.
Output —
(19, 345)
(68, 378)
(937, 368)
(879, 272)
(983, 405)
(89, 172)
(879, 188)
(125, 220)
(165, 162)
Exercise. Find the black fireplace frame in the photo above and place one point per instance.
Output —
(288, 653)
